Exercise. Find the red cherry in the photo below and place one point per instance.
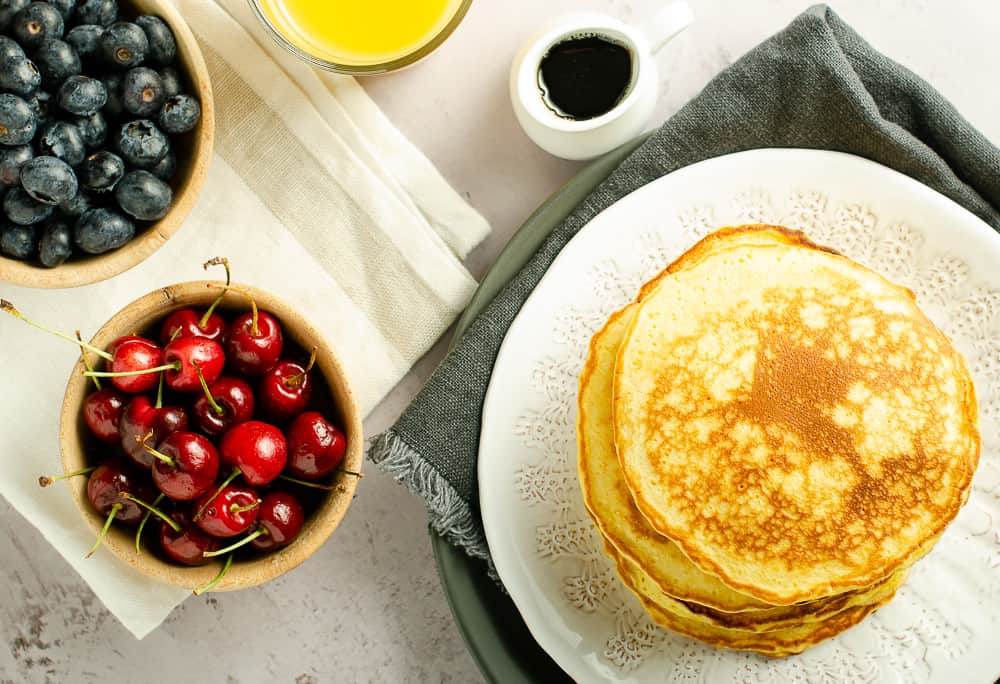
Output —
(102, 412)
(281, 516)
(192, 323)
(188, 546)
(187, 353)
(286, 390)
(138, 357)
(106, 485)
(257, 449)
(139, 419)
(185, 466)
(230, 512)
(116, 491)
(188, 323)
(113, 347)
(231, 403)
(254, 343)
(315, 447)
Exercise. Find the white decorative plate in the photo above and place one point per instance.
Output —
(943, 625)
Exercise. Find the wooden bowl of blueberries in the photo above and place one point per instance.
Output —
(106, 128)
(209, 435)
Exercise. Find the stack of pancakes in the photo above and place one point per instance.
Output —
(769, 437)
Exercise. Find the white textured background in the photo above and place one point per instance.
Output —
(368, 606)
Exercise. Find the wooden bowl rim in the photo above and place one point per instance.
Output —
(319, 525)
(100, 267)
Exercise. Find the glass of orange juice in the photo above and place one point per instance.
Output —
(361, 36)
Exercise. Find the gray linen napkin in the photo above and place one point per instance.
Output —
(817, 84)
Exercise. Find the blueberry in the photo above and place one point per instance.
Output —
(171, 82)
(8, 8)
(166, 167)
(101, 230)
(81, 203)
(143, 195)
(23, 209)
(19, 75)
(93, 129)
(56, 244)
(81, 95)
(124, 45)
(17, 121)
(18, 242)
(9, 47)
(114, 107)
(100, 12)
(65, 7)
(101, 171)
(85, 39)
(142, 91)
(43, 107)
(56, 59)
(180, 114)
(141, 143)
(11, 161)
(162, 46)
(49, 180)
(63, 140)
(36, 22)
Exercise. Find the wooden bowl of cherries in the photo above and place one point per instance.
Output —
(209, 436)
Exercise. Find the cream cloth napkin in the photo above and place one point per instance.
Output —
(313, 195)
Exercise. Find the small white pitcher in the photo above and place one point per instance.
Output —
(589, 138)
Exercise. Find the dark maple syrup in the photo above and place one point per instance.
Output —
(585, 76)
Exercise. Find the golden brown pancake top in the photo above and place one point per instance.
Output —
(800, 428)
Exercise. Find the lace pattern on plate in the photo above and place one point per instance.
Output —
(906, 636)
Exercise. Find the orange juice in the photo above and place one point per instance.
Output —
(359, 32)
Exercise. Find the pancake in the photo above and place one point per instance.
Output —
(604, 491)
(726, 238)
(790, 419)
(775, 644)
(680, 586)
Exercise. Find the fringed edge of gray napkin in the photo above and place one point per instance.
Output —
(449, 514)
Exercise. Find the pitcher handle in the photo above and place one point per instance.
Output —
(667, 23)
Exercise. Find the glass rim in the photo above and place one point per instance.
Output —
(364, 69)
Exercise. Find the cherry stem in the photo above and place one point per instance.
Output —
(318, 485)
(45, 481)
(12, 310)
(260, 531)
(313, 485)
(219, 411)
(153, 452)
(104, 530)
(225, 483)
(218, 578)
(159, 392)
(155, 511)
(236, 509)
(218, 261)
(254, 330)
(86, 361)
(299, 378)
(145, 519)
(175, 366)
(215, 261)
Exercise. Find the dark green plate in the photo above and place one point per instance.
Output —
(496, 635)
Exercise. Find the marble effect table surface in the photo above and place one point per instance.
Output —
(369, 605)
